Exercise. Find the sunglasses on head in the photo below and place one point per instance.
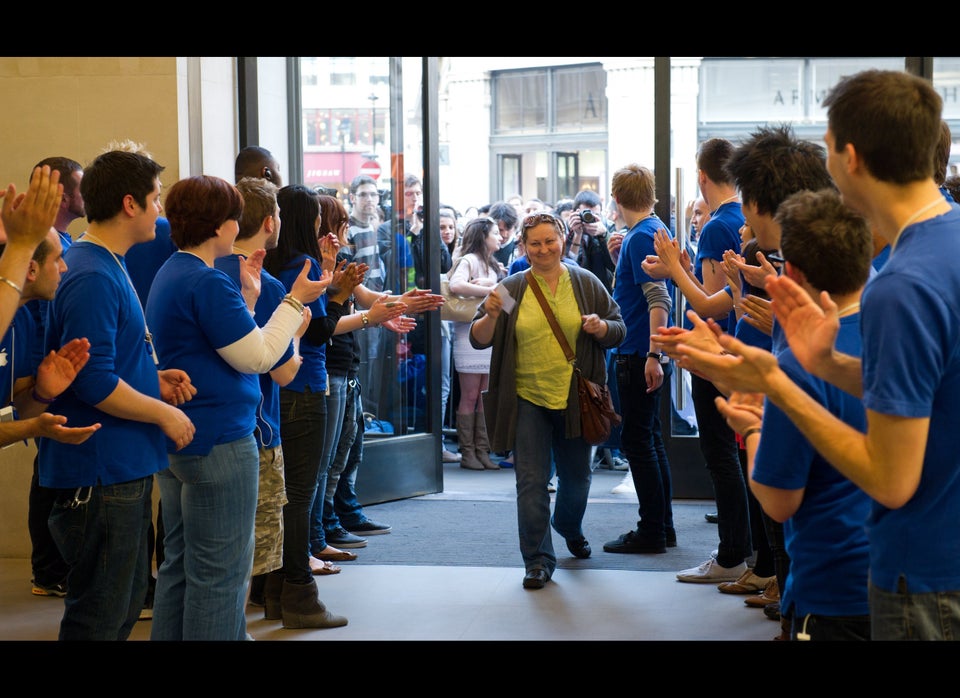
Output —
(538, 218)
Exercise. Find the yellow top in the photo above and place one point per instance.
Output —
(543, 374)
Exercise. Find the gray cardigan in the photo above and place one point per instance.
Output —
(500, 398)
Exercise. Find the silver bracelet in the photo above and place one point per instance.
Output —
(12, 285)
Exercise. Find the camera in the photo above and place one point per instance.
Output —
(587, 216)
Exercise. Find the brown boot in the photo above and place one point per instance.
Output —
(302, 609)
(481, 443)
(465, 433)
(272, 589)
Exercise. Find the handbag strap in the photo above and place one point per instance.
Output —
(551, 318)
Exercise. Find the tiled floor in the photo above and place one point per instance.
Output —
(467, 603)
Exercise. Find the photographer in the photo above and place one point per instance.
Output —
(587, 237)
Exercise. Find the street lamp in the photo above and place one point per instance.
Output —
(373, 118)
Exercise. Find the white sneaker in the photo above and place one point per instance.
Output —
(450, 456)
(626, 485)
(712, 573)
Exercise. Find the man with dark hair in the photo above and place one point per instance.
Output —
(505, 214)
(105, 484)
(587, 237)
(254, 161)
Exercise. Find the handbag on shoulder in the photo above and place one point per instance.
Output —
(597, 415)
(455, 307)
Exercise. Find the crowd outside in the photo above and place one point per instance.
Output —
(533, 406)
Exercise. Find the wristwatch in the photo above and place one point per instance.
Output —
(655, 355)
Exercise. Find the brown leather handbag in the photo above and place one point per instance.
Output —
(597, 415)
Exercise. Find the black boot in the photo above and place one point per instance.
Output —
(302, 609)
(272, 589)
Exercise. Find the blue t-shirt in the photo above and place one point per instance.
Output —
(911, 367)
(826, 538)
(313, 369)
(628, 284)
(145, 258)
(721, 233)
(16, 359)
(194, 310)
(271, 295)
(96, 300)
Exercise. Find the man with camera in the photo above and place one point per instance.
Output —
(587, 237)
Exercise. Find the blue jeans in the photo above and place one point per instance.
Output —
(543, 433)
(322, 510)
(209, 509)
(719, 448)
(902, 615)
(641, 441)
(302, 419)
(104, 541)
(347, 509)
(331, 432)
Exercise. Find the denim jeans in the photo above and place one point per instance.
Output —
(542, 432)
(641, 441)
(209, 509)
(336, 405)
(331, 433)
(902, 615)
(302, 419)
(719, 448)
(341, 454)
(347, 509)
(104, 541)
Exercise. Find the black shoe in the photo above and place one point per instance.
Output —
(632, 542)
(58, 590)
(772, 610)
(579, 548)
(712, 518)
(535, 579)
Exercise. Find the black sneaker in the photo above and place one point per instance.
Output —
(369, 528)
(342, 538)
(632, 542)
(59, 589)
